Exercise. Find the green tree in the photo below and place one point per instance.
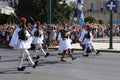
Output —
(91, 19)
(12, 18)
(101, 21)
(37, 9)
(31, 8)
(3, 18)
(60, 12)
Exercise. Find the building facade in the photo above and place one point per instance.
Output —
(98, 8)
(11, 3)
(5, 9)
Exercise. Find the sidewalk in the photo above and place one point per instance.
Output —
(102, 47)
(101, 44)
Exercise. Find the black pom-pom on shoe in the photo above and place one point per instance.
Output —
(97, 52)
(85, 55)
(47, 54)
(59, 53)
(34, 66)
(21, 69)
(36, 62)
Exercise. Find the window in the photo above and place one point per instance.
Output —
(92, 6)
(104, 5)
(11, 4)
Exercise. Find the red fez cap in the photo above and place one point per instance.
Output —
(23, 19)
(38, 23)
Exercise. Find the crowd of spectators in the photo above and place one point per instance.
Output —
(50, 33)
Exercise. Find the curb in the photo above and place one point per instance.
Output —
(101, 50)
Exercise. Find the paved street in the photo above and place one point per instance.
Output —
(105, 66)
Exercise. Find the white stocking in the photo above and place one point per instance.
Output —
(86, 46)
(42, 49)
(36, 50)
(21, 59)
(28, 55)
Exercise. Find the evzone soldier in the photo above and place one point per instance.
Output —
(65, 45)
(38, 40)
(59, 37)
(21, 40)
(86, 40)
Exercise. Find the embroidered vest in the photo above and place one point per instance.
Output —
(22, 33)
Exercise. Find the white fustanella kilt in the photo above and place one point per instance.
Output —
(37, 40)
(16, 43)
(65, 44)
(23, 44)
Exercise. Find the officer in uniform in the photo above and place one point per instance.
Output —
(86, 40)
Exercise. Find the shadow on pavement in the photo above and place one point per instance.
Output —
(12, 71)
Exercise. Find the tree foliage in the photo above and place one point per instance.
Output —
(101, 21)
(12, 18)
(61, 12)
(91, 19)
(31, 8)
(3, 18)
(38, 10)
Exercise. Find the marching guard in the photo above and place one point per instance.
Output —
(38, 40)
(65, 45)
(21, 40)
(86, 40)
